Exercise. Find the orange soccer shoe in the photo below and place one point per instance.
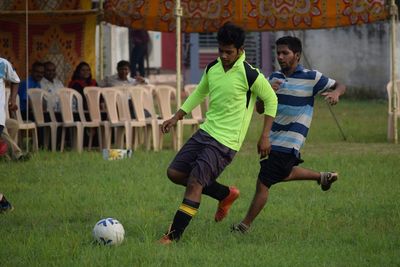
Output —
(225, 204)
(166, 239)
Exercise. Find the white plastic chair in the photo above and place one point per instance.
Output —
(137, 94)
(23, 125)
(121, 129)
(38, 98)
(92, 95)
(67, 96)
(164, 94)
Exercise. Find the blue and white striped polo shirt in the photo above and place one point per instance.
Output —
(295, 107)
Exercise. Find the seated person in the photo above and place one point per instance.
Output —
(122, 77)
(50, 83)
(33, 81)
(81, 78)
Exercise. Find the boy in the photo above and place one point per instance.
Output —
(232, 85)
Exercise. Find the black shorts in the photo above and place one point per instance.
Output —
(203, 157)
(277, 167)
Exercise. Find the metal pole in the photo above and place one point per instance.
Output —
(101, 52)
(27, 70)
(336, 120)
(178, 14)
(393, 15)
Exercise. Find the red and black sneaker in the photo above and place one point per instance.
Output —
(225, 204)
(3, 148)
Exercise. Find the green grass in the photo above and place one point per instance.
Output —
(58, 197)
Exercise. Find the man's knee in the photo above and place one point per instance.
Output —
(177, 177)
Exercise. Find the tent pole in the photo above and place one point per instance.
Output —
(178, 14)
(101, 52)
(27, 69)
(393, 15)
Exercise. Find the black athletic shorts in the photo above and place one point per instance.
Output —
(277, 167)
(203, 157)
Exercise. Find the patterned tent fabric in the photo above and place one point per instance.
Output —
(65, 40)
(253, 15)
(44, 4)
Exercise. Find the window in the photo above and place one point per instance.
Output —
(209, 48)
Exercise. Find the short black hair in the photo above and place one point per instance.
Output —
(123, 63)
(229, 34)
(293, 43)
(37, 64)
(47, 63)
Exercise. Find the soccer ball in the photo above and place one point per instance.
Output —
(109, 232)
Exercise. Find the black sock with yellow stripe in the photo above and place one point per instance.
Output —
(182, 218)
(216, 190)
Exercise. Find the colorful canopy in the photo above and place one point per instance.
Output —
(253, 15)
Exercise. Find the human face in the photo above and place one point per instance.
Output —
(37, 73)
(84, 72)
(229, 54)
(287, 59)
(123, 72)
(50, 71)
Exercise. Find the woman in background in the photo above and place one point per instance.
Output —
(81, 78)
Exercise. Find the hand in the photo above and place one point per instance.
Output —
(166, 126)
(140, 79)
(331, 97)
(263, 146)
(276, 84)
(12, 105)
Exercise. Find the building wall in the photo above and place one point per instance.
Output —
(115, 48)
(168, 48)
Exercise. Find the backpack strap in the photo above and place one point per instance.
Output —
(210, 65)
(251, 76)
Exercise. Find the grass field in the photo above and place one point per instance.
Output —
(58, 197)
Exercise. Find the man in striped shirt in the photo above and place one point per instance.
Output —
(296, 88)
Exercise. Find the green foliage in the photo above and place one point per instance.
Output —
(58, 197)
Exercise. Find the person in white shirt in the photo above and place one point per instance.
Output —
(51, 84)
(7, 73)
(7, 144)
(122, 77)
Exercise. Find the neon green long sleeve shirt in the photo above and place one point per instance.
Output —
(230, 110)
